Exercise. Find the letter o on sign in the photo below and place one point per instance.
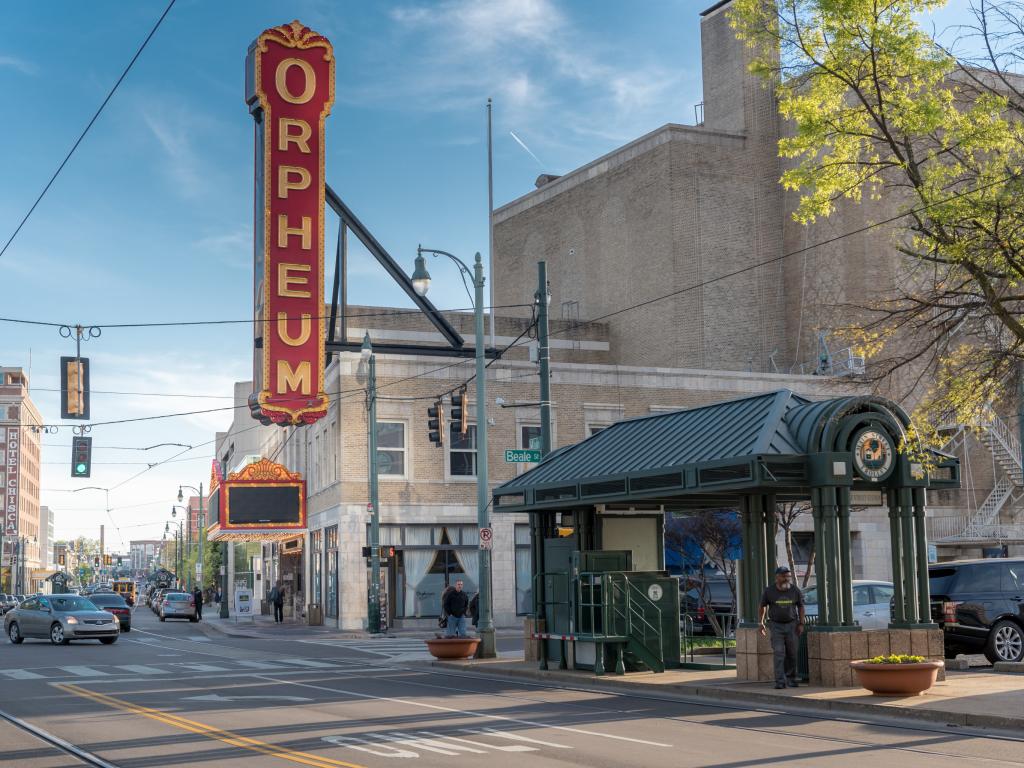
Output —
(281, 80)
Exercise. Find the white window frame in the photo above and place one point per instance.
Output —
(404, 449)
(523, 466)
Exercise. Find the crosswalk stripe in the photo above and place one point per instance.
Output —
(20, 674)
(308, 663)
(259, 664)
(84, 671)
(141, 669)
(205, 668)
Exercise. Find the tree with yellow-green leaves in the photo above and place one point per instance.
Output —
(874, 106)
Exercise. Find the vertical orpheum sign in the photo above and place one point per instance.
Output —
(290, 90)
(12, 455)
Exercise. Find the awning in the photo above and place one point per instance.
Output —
(216, 533)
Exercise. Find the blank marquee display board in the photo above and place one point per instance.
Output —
(262, 495)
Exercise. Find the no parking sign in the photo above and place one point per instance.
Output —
(486, 538)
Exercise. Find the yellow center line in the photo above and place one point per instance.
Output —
(228, 737)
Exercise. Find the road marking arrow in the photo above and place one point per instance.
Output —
(218, 697)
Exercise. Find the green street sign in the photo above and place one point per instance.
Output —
(516, 456)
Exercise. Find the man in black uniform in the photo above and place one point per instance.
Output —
(784, 604)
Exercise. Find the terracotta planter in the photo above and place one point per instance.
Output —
(897, 679)
(453, 647)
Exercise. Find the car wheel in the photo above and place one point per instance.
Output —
(1005, 642)
(127, 628)
(108, 640)
(163, 618)
(57, 634)
(15, 634)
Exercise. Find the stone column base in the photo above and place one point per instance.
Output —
(531, 647)
(753, 656)
(829, 653)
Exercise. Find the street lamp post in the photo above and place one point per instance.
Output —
(421, 283)
(201, 526)
(373, 596)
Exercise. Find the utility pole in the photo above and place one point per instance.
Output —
(202, 535)
(373, 596)
(488, 649)
(188, 546)
(538, 524)
(103, 567)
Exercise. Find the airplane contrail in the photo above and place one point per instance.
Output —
(521, 144)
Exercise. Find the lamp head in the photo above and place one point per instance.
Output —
(367, 349)
(420, 276)
(181, 496)
(174, 512)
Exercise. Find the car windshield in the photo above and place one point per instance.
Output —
(940, 580)
(71, 603)
(111, 601)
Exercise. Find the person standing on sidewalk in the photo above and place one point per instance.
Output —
(197, 598)
(783, 602)
(456, 605)
(276, 597)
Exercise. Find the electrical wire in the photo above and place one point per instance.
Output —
(89, 125)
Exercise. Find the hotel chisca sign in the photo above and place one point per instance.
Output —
(289, 90)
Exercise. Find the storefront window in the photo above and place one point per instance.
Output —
(331, 544)
(524, 580)
(316, 545)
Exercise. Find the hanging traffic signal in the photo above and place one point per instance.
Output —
(81, 456)
(96, 561)
(106, 560)
(460, 410)
(60, 559)
(74, 388)
(435, 423)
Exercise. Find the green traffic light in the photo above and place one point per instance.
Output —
(80, 468)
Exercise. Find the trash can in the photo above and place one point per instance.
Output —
(316, 614)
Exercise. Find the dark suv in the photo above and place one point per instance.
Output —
(980, 606)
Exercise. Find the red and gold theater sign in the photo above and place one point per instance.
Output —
(261, 502)
(290, 90)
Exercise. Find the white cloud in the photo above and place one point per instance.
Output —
(18, 64)
(233, 248)
(484, 24)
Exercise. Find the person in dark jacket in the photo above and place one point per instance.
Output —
(456, 606)
(276, 597)
(783, 604)
(197, 597)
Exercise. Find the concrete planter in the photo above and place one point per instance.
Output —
(453, 647)
(896, 679)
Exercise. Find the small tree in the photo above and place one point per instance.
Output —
(786, 515)
(716, 533)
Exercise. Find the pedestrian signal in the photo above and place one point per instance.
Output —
(74, 388)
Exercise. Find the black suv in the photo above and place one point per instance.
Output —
(980, 606)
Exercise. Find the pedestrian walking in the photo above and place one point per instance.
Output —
(474, 609)
(783, 602)
(456, 605)
(276, 597)
(197, 597)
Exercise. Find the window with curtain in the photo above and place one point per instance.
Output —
(331, 543)
(421, 592)
(461, 451)
(524, 581)
(316, 545)
(391, 448)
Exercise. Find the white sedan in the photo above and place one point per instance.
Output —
(870, 603)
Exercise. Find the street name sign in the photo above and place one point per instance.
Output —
(517, 455)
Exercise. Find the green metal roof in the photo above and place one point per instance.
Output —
(734, 446)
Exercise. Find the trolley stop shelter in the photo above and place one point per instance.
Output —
(597, 512)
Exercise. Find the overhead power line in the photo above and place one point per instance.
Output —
(89, 125)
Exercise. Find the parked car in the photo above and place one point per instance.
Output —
(178, 605)
(871, 600)
(979, 604)
(116, 605)
(62, 618)
(157, 597)
(7, 602)
(697, 600)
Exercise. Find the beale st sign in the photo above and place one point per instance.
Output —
(289, 90)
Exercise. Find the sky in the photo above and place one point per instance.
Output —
(151, 220)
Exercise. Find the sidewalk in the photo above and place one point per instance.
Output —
(972, 699)
(260, 626)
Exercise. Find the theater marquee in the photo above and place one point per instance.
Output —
(290, 90)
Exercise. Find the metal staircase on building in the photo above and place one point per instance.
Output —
(984, 525)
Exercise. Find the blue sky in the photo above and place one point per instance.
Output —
(151, 219)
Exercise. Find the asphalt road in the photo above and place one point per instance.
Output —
(168, 695)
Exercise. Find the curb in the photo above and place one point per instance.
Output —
(789, 704)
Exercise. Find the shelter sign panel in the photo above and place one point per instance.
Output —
(290, 90)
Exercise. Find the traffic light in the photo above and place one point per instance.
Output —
(106, 560)
(74, 388)
(96, 561)
(60, 559)
(460, 410)
(81, 456)
(435, 423)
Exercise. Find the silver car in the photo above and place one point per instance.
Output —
(870, 603)
(178, 605)
(62, 618)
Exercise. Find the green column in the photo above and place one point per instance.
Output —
(819, 554)
(845, 561)
(771, 550)
(757, 568)
(896, 545)
(908, 554)
(924, 612)
(831, 583)
(747, 615)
